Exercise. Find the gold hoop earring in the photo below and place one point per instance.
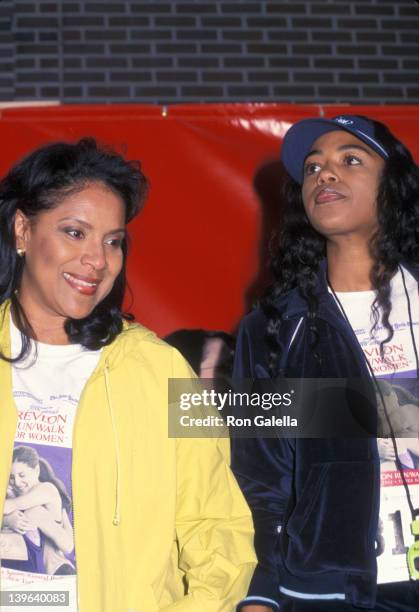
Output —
(20, 252)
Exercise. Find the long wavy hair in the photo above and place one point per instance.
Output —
(40, 182)
(30, 457)
(298, 248)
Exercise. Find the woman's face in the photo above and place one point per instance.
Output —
(72, 254)
(23, 477)
(341, 180)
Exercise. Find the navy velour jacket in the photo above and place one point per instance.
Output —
(315, 502)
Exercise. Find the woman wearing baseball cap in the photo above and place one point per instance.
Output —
(337, 519)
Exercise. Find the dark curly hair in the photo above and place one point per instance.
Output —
(39, 182)
(298, 248)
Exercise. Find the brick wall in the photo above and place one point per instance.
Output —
(6, 52)
(207, 51)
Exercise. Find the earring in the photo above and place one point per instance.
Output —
(20, 252)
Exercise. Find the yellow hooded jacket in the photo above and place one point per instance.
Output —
(159, 523)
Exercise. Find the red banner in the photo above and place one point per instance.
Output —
(198, 250)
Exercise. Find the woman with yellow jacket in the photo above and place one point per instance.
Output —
(158, 522)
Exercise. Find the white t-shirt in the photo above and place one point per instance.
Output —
(46, 388)
(394, 535)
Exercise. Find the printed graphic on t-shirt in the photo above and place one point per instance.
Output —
(397, 365)
(396, 374)
(37, 532)
(36, 539)
(397, 357)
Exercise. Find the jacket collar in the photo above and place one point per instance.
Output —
(5, 328)
(128, 342)
(292, 303)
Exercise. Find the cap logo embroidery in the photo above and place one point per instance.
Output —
(344, 121)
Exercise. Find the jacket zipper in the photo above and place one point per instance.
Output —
(76, 418)
(294, 335)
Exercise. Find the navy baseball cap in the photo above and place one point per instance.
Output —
(300, 137)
